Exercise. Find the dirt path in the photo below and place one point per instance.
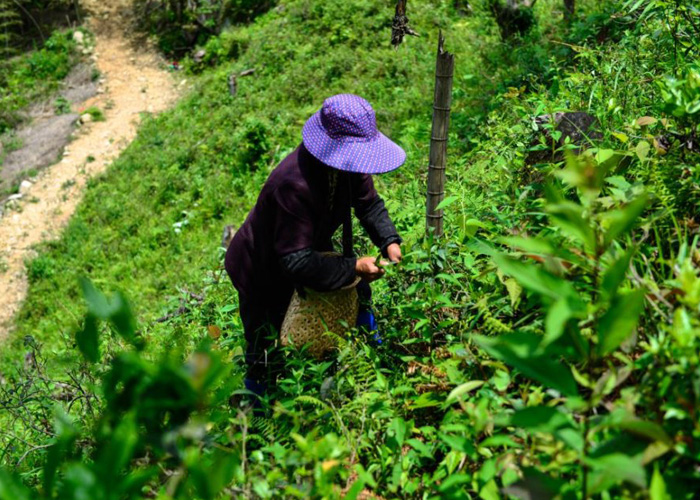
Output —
(134, 82)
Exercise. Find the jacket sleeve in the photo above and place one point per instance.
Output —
(373, 215)
(320, 272)
(293, 244)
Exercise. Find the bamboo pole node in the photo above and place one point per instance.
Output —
(437, 166)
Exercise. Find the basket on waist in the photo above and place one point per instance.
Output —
(308, 318)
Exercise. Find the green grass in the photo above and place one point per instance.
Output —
(34, 76)
(210, 175)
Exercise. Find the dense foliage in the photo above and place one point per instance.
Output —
(179, 25)
(34, 75)
(545, 347)
(26, 24)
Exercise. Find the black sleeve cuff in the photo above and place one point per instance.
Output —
(390, 241)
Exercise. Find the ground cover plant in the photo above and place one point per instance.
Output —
(545, 347)
(33, 76)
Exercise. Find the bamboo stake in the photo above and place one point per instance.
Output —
(444, 72)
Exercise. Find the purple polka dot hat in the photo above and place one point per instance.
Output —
(344, 135)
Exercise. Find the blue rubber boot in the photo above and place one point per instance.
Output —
(368, 322)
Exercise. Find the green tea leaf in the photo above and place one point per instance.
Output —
(557, 317)
(621, 221)
(98, 305)
(519, 351)
(619, 321)
(642, 150)
(657, 488)
(120, 449)
(399, 427)
(613, 469)
(541, 419)
(11, 488)
(122, 317)
(447, 202)
(463, 389)
(615, 274)
(568, 216)
(87, 339)
(535, 278)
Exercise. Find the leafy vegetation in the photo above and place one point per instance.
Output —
(545, 347)
(34, 76)
(179, 25)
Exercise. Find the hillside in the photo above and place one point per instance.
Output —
(545, 346)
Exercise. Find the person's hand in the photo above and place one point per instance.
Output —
(393, 251)
(367, 269)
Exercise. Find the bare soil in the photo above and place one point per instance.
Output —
(135, 81)
(48, 132)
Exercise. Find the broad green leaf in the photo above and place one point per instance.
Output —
(619, 321)
(621, 221)
(535, 278)
(615, 274)
(98, 305)
(481, 247)
(490, 491)
(541, 246)
(422, 448)
(514, 292)
(568, 216)
(532, 245)
(643, 428)
(426, 400)
(455, 480)
(621, 137)
(519, 351)
(462, 390)
(65, 436)
(117, 453)
(657, 488)
(399, 428)
(557, 317)
(87, 339)
(447, 202)
(122, 317)
(642, 150)
(354, 490)
(540, 419)
(11, 488)
(570, 437)
(654, 451)
(458, 443)
(613, 469)
(471, 226)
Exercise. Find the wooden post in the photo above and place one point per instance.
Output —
(438, 142)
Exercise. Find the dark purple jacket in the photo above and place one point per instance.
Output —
(297, 215)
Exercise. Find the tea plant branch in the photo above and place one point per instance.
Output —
(30, 451)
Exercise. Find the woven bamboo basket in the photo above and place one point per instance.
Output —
(309, 318)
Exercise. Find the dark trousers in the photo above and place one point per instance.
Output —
(262, 324)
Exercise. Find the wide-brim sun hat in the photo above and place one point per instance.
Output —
(343, 134)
